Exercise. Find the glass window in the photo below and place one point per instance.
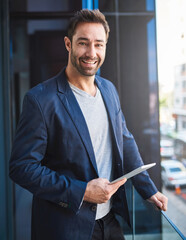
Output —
(172, 78)
(126, 6)
(38, 53)
(131, 64)
(136, 5)
(44, 5)
(107, 6)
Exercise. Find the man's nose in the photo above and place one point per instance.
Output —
(91, 51)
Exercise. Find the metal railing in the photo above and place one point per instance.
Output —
(148, 223)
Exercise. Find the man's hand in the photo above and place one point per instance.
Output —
(159, 200)
(100, 190)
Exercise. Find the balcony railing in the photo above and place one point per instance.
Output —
(148, 223)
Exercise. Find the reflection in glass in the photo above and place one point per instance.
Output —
(136, 5)
(44, 5)
(166, 230)
(169, 230)
(107, 6)
(38, 53)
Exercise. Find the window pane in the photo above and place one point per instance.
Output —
(107, 6)
(127, 5)
(44, 5)
(38, 53)
(172, 84)
(136, 5)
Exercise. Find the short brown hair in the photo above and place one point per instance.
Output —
(89, 16)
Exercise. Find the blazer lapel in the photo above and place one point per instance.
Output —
(70, 103)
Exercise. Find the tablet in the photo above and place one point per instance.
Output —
(134, 172)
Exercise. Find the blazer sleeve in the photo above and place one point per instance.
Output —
(26, 167)
(132, 159)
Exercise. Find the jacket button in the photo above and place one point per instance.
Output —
(62, 204)
(93, 208)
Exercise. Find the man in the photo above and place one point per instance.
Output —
(72, 141)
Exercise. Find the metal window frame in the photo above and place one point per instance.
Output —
(6, 196)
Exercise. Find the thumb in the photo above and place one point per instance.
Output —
(114, 186)
(123, 181)
(119, 183)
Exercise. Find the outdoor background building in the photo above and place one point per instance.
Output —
(179, 105)
(32, 50)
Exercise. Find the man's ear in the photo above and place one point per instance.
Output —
(67, 43)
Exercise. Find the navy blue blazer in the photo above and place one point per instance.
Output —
(53, 157)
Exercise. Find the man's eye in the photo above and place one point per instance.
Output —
(99, 45)
(82, 43)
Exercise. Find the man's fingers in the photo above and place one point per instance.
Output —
(159, 200)
(100, 190)
(158, 203)
(164, 201)
(119, 183)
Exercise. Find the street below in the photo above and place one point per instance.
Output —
(177, 208)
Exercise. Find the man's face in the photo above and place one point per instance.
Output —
(88, 48)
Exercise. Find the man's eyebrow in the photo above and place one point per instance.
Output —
(82, 38)
(86, 39)
(100, 40)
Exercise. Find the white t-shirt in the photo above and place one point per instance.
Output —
(96, 117)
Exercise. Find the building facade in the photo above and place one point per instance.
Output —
(179, 110)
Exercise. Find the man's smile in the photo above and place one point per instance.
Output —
(91, 62)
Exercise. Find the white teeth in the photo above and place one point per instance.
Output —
(89, 62)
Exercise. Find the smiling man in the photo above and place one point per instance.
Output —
(70, 143)
(88, 48)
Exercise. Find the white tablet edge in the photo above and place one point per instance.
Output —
(135, 172)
